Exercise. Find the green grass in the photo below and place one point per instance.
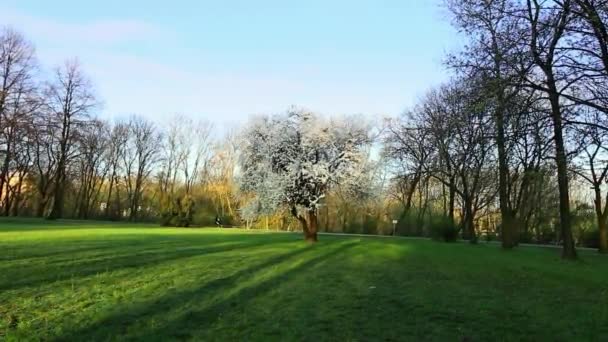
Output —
(101, 281)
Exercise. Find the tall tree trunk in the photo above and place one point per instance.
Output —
(444, 200)
(451, 200)
(602, 215)
(17, 201)
(569, 251)
(468, 223)
(4, 173)
(603, 232)
(109, 200)
(57, 208)
(8, 200)
(41, 205)
(508, 220)
(58, 191)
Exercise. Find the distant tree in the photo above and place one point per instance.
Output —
(592, 167)
(185, 154)
(141, 154)
(117, 145)
(219, 171)
(69, 100)
(407, 147)
(18, 100)
(92, 166)
(293, 160)
(458, 127)
(45, 162)
(490, 56)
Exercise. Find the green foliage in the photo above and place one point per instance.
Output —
(411, 223)
(442, 228)
(177, 212)
(370, 224)
(489, 236)
(585, 227)
(98, 281)
(204, 216)
(591, 239)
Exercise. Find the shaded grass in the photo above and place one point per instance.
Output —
(70, 280)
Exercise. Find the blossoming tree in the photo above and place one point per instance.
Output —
(292, 160)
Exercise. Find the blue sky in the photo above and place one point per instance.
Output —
(226, 60)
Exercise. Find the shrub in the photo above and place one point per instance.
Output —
(546, 234)
(178, 212)
(591, 239)
(442, 228)
(370, 225)
(584, 226)
(412, 223)
(489, 236)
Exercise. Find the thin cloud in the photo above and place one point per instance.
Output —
(105, 32)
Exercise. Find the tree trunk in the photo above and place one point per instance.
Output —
(41, 205)
(18, 193)
(469, 223)
(569, 251)
(310, 235)
(57, 207)
(603, 231)
(601, 215)
(451, 200)
(508, 219)
(4, 179)
(309, 224)
(109, 199)
(58, 192)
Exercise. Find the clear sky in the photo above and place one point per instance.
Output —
(225, 60)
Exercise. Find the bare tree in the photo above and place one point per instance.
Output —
(593, 168)
(172, 156)
(494, 34)
(196, 139)
(45, 162)
(408, 149)
(458, 134)
(138, 160)
(69, 103)
(114, 157)
(587, 55)
(547, 25)
(92, 166)
(17, 97)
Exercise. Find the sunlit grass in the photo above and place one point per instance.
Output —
(99, 281)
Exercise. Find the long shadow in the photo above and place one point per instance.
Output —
(102, 255)
(84, 269)
(16, 255)
(31, 251)
(204, 318)
(119, 322)
(34, 250)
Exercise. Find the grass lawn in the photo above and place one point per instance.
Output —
(101, 281)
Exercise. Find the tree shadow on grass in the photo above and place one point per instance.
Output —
(45, 249)
(118, 324)
(108, 261)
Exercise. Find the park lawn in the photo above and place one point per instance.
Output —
(71, 280)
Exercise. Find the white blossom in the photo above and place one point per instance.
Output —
(293, 160)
